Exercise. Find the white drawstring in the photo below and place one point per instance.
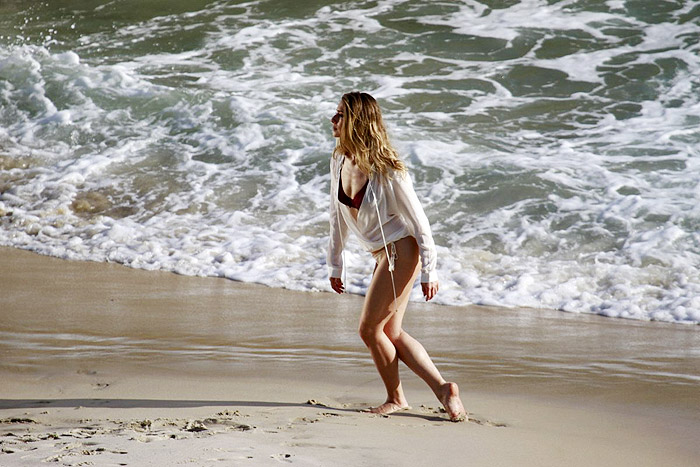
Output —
(390, 257)
(342, 243)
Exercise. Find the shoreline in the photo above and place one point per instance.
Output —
(152, 367)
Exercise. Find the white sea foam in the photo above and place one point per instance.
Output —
(579, 193)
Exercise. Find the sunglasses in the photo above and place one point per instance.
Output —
(336, 118)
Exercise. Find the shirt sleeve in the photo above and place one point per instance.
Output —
(412, 212)
(338, 228)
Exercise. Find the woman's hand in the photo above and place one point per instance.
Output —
(337, 284)
(429, 289)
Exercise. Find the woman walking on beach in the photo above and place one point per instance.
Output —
(372, 195)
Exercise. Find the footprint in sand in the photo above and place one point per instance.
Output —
(283, 457)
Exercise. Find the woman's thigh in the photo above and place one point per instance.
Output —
(379, 306)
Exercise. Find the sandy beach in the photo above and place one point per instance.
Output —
(105, 365)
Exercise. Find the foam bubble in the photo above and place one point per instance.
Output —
(68, 58)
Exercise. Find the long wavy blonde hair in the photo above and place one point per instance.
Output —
(362, 134)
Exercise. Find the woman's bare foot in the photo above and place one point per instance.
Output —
(449, 397)
(388, 407)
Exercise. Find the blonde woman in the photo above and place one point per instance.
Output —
(373, 197)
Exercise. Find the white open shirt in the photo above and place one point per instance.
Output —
(400, 214)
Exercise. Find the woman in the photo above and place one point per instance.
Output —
(372, 196)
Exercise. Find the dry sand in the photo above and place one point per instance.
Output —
(104, 365)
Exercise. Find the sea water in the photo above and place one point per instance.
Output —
(554, 144)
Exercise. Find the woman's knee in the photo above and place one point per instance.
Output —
(371, 332)
(393, 334)
(368, 332)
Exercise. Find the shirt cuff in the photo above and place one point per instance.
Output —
(335, 271)
(428, 276)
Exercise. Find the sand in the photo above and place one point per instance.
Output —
(105, 365)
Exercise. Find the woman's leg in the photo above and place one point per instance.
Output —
(379, 310)
(414, 355)
(405, 347)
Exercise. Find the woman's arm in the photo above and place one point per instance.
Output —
(338, 232)
(412, 212)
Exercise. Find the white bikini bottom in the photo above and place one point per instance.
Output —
(379, 255)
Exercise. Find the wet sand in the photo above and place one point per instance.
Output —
(109, 365)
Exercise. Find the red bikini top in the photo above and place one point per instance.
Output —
(355, 202)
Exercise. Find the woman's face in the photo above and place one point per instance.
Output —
(337, 120)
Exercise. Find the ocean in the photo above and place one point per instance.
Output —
(554, 144)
